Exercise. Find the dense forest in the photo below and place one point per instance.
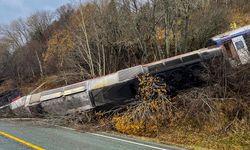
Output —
(85, 40)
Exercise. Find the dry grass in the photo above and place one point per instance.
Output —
(216, 116)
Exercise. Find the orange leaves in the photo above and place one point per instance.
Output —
(59, 45)
(125, 124)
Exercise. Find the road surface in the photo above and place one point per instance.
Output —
(25, 136)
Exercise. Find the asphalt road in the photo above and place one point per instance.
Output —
(25, 136)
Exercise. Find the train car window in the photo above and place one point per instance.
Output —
(239, 45)
(247, 39)
(174, 62)
(156, 68)
(191, 58)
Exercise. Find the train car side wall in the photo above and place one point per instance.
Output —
(118, 87)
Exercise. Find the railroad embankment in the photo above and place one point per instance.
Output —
(215, 116)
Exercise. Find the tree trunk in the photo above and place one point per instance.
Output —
(167, 44)
(186, 33)
(87, 43)
(40, 64)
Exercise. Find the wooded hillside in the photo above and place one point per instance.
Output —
(80, 41)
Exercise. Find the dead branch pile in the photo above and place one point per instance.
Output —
(154, 111)
(151, 88)
(229, 82)
(221, 106)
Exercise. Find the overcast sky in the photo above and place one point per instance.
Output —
(14, 9)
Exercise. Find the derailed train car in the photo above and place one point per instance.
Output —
(122, 85)
(113, 88)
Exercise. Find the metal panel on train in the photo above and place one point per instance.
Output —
(51, 94)
(35, 98)
(103, 81)
(18, 103)
(75, 88)
(130, 73)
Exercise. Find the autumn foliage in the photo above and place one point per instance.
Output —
(92, 39)
(59, 47)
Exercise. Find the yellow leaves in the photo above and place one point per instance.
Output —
(239, 19)
(146, 119)
(233, 26)
(59, 45)
(124, 124)
(160, 34)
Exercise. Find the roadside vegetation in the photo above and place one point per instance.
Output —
(215, 116)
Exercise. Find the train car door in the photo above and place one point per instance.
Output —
(241, 49)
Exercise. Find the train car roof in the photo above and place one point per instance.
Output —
(182, 55)
(222, 38)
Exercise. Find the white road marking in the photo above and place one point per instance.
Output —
(110, 137)
(127, 141)
(67, 128)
